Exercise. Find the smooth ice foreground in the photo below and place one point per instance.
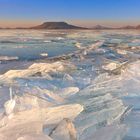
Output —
(90, 93)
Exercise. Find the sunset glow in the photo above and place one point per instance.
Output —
(17, 13)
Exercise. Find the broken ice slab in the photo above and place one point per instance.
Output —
(34, 137)
(110, 66)
(113, 132)
(65, 130)
(67, 92)
(36, 68)
(19, 124)
(91, 124)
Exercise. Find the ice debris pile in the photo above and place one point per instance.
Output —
(64, 100)
(54, 113)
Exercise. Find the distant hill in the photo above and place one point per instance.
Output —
(138, 27)
(56, 25)
(65, 25)
(128, 27)
(100, 27)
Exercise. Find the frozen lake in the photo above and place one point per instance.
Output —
(99, 70)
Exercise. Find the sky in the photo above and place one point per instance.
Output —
(15, 13)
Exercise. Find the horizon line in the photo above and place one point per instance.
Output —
(29, 24)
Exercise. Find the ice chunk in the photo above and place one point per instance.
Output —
(9, 106)
(67, 92)
(65, 130)
(114, 132)
(123, 52)
(44, 54)
(78, 45)
(110, 66)
(31, 121)
(27, 102)
(88, 123)
(35, 137)
(48, 95)
(41, 69)
(8, 58)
